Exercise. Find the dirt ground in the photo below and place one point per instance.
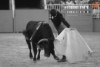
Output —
(14, 52)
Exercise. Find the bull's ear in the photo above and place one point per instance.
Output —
(40, 46)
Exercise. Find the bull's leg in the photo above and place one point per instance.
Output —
(38, 57)
(34, 50)
(29, 46)
(52, 51)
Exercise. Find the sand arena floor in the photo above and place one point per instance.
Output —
(14, 52)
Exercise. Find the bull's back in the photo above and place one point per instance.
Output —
(47, 31)
(31, 27)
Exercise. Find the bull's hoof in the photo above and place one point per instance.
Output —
(62, 60)
(31, 57)
(34, 59)
(38, 58)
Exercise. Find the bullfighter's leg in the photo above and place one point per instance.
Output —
(34, 50)
(38, 56)
(29, 46)
(63, 59)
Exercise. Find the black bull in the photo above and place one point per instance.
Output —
(41, 35)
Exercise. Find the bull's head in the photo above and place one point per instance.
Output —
(44, 44)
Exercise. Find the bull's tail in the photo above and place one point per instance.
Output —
(24, 32)
(42, 40)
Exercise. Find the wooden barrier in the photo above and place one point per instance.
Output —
(79, 16)
(6, 21)
(22, 17)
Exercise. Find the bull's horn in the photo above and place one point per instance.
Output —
(42, 40)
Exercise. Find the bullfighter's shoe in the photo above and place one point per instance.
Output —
(63, 59)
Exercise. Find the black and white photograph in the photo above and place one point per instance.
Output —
(49, 33)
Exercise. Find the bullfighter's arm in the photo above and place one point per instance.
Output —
(64, 21)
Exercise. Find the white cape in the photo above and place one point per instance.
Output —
(71, 44)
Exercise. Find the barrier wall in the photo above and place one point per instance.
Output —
(79, 17)
(82, 21)
(22, 17)
(96, 25)
(6, 21)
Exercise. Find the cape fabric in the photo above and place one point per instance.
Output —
(71, 44)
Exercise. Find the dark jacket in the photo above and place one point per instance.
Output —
(58, 18)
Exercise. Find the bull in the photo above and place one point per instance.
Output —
(38, 34)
